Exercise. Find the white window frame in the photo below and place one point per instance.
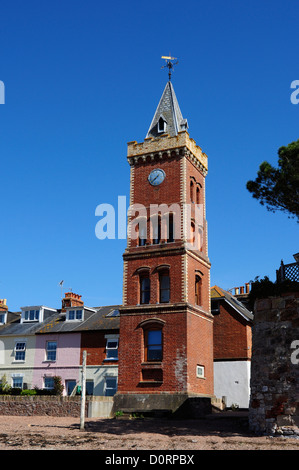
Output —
(36, 317)
(4, 317)
(50, 351)
(75, 310)
(23, 350)
(31, 315)
(111, 338)
(48, 377)
(17, 377)
(110, 377)
(200, 372)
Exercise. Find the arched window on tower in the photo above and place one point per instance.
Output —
(192, 234)
(191, 191)
(197, 194)
(198, 285)
(141, 234)
(153, 344)
(164, 284)
(145, 288)
(156, 229)
(170, 237)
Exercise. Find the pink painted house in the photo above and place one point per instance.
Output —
(57, 355)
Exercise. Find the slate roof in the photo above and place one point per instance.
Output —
(16, 328)
(94, 319)
(168, 108)
(217, 294)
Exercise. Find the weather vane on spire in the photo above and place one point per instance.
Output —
(169, 64)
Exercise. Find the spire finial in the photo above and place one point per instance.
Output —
(169, 64)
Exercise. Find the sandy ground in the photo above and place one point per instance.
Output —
(214, 433)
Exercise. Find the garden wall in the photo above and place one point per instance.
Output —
(40, 405)
(96, 407)
(274, 401)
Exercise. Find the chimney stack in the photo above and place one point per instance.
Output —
(71, 300)
(3, 306)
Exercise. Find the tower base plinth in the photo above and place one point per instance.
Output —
(175, 405)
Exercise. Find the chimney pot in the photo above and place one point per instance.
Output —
(242, 290)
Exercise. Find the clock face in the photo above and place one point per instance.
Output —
(156, 177)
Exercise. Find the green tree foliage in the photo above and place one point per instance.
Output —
(278, 188)
(264, 288)
(58, 386)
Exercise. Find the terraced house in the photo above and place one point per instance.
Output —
(42, 343)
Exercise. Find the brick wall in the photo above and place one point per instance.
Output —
(175, 263)
(186, 344)
(131, 355)
(200, 353)
(94, 343)
(232, 334)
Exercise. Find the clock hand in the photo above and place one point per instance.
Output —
(155, 178)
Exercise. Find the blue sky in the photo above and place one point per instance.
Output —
(84, 78)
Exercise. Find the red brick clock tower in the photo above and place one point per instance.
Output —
(166, 327)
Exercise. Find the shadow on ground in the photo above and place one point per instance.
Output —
(218, 425)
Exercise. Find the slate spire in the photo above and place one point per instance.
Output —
(168, 118)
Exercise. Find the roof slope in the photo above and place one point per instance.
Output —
(94, 319)
(217, 293)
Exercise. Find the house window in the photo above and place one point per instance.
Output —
(2, 318)
(69, 386)
(164, 287)
(75, 315)
(112, 349)
(31, 315)
(110, 386)
(17, 382)
(51, 350)
(89, 387)
(49, 383)
(198, 283)
(200, 371)
(113, 313)
(145, 289)
(20, 351)
(153, 345)
(215, 307)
